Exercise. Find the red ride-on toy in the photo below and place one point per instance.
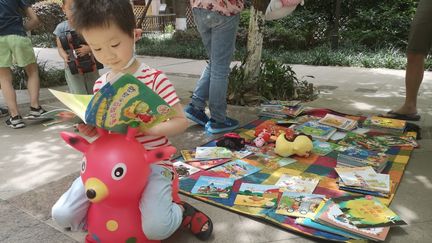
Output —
(70, 41)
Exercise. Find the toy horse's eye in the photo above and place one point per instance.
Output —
(119, 171)
(83, 165)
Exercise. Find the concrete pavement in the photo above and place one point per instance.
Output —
(36, 166)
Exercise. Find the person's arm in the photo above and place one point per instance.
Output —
(61, 51)
(173, 126)
(33, 20)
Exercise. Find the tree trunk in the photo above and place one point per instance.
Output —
(254, 45)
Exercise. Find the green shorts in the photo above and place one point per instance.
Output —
(15, 49)
(420, 37)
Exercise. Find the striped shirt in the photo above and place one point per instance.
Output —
(223, 7)
(159, 83)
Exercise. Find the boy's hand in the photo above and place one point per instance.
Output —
(83, 50)
(87, 130)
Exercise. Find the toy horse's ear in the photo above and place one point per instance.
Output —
(76, 141)
(101, 131)
(159, 154)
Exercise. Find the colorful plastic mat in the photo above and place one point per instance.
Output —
(313, 166)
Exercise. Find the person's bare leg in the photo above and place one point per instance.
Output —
(413, 79)
(8, 90)
(33, 84)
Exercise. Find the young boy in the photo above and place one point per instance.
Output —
(78, 83)
(16, 47)
(108, 28)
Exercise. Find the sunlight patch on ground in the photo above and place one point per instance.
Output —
(425, 181)
(363, 106)
(405, 213)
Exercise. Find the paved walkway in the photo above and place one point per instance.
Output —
(36, 166)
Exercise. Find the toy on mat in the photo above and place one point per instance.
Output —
(70, 41)
(114, 171)
(231, 141)
(301, 146)
(262, 138)
(280, 8)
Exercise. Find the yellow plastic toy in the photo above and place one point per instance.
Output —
(301, 146)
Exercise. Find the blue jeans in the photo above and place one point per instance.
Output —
(218, 33)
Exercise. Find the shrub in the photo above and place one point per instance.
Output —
(49, 76)
(50, 14)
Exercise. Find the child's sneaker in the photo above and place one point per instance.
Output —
(35, 113)
(15, 122)
(3, 112)
(196, 115)
(197, 222)
(218, 127)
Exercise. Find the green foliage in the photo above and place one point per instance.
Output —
(276, 81)
(44, 40)
(50, 14)
(48, 76)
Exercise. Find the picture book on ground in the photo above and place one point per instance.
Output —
(330, 214)
(207, 186)
(122, 101)
(202, 153)
(364, 178)
(338, 122)
(363, 141)
(271, 103)
(356, 157)
(315, 225)
(367, 212)
(393, 140)
(207, 164)
(235, 169)
(184, 170)
(316, 130)
(385, 125)
(297, 183)
(298, 204)
(257, 195)
(270, 161)
(322, 148)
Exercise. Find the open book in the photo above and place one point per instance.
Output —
(120, 102)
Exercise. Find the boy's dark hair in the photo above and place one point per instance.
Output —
(89, 14)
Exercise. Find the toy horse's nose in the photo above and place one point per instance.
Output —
(91, 194)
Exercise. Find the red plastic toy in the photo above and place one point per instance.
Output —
(114, 172)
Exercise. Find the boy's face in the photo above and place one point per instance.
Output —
(110, 45)
(67, 9)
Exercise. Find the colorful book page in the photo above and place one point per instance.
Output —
(364, 178)
(207, 186)
(297, 183)
(339, 122)
(316, 130)
(297, 204)
(75, 102)
(257, 195)
(207, 164)
(363, 141)
(184, 170)
(235, 169)
(212, 153)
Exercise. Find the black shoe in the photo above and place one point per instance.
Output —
(35, 113)
(4, 112)
(196, 115)
(15, 122)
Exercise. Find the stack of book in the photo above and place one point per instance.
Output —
(385, 125)
(364, 180)
(339, 122)
(316, 130)
(281, 109)
(356, 157)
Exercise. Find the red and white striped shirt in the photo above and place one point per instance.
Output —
(159, 83)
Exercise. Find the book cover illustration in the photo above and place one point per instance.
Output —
(367, 212)
(235, 169)
(271, 161)
(364, 178)
(322, 148)
(271, 103)
(361, 157)
(208, 186)
(332, 215)
(184, 170)
(363, 141)
(207, 164)
(75, 103)
(316, 130)
(124, 100)
(257, 195)
(281, 111)
(297, 183)
(315, 225)
(207, 153)
(385, 122)
(391, 140)
(297, 204)
(339, 122)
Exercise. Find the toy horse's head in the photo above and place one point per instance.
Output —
(116, 167)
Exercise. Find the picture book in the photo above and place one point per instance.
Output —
(205, 153)
(298, 204)
(363, 141)
(59, 115)
(367, 212)
(188, 155)
(207, 186)
(297, 183)
(281, 111)
(315, 225)
(125, 100)
(355, 157)
(331, 215)
(119, 103)
(257, 195)
(392, 140)
(273, 128)
(270, 161)
(271, 103)
(338, 122)
(364, 178)
(235, 169)
(385, 124)
(184, 170)
(207, 164)
(316, 130)
(322, 148)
